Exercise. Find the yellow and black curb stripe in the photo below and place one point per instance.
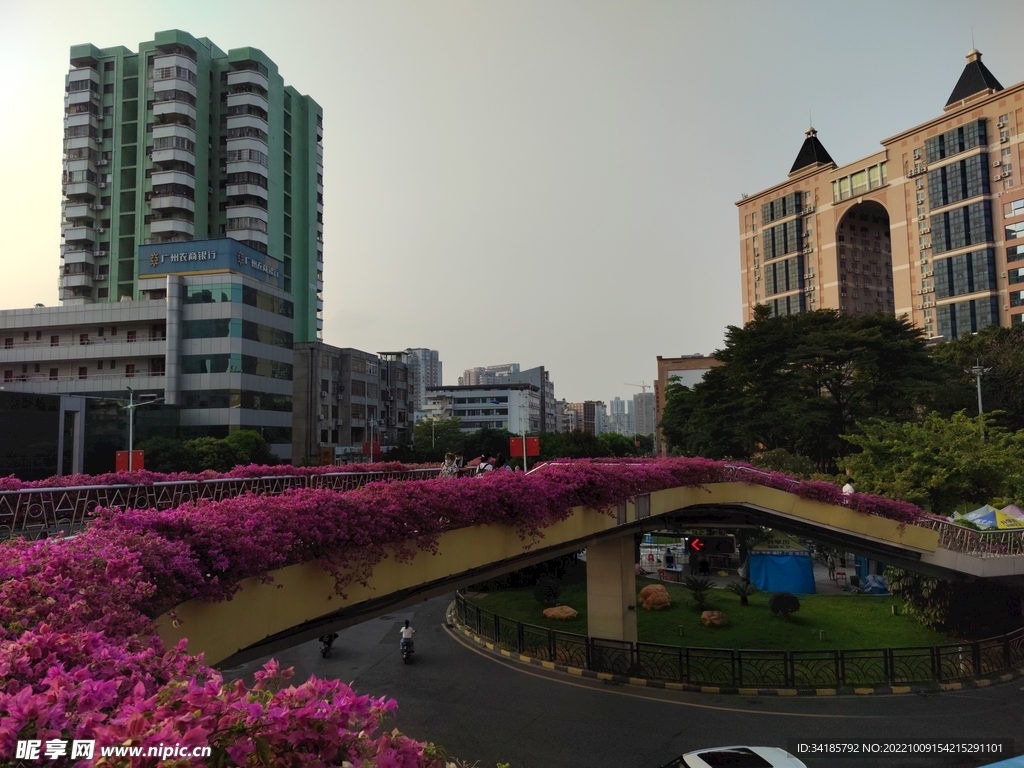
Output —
(497, 650)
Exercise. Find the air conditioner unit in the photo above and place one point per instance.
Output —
(99, 253)
(1006, 175)
(101, 229)
(1001, 124)
(997, 163)
(918, 291)
(1004, 139)
(1003, 274)
(100, 278)
(920, 306)
(103, 185)
(101, 162)
(323, 393)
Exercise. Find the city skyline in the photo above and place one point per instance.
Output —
(560, 137)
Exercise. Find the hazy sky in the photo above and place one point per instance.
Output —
(548, 183)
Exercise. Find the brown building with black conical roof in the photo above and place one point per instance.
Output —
(931, 226)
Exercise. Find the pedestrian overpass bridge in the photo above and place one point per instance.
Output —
(301, 603)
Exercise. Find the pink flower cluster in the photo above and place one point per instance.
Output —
(79, 657)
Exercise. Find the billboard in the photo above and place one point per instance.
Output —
(223, 255)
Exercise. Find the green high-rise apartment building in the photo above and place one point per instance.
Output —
(181, 142)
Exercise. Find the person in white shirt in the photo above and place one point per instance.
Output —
(848, 488)
(407, 633)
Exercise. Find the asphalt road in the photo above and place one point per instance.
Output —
(482, 708)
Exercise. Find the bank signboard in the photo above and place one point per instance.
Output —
(223, 255)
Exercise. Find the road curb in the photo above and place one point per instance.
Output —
(888, 690)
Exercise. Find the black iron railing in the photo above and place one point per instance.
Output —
(751, 668)
(40, 512)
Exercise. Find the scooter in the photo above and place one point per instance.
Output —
(407, 651)
(326, 642)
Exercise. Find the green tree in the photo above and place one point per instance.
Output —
(218, 455)
(619, 445)
(938, 463)
(781, 460)
(1001, 350)
(167, 454)
(800, 382)
(251, 445)
(433, 438)
(488, 441)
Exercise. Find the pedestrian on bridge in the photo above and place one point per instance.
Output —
(449, 469)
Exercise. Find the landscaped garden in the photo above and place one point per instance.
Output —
(849, 621)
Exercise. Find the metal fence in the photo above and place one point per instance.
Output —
(40, 512)
(751, 669)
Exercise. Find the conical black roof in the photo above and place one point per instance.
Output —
(811, 153)
(975, 79)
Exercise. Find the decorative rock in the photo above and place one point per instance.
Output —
(713, 619)
(654, 597)
(561, 612)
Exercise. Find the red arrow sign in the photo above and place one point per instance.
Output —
(696, 545)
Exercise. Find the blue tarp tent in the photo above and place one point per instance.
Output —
(782, 565)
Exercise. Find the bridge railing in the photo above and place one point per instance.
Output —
(979, 543)
(920, 665)
(41, 512)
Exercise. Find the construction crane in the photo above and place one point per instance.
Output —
(643, 386)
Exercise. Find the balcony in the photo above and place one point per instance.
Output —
(88, 189)
(248, 77)
(81, 280)
(172, 202)
(83, 118)
(163, 60)
(245, 190)
(171, 155)
(81, 97)
(173, 84)
(83, 73)
(172, 177)
(172, 226)
(252, 211)
(175, 108)
(172, 129)
(247, 235)
(252, 99)
(76, 210)
(74, 234)
(81, 256)
(246, 121)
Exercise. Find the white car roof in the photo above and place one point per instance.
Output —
(776, 758)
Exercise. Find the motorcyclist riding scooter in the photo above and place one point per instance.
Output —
(326, 641)
(406, 644)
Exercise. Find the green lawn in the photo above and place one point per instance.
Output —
(849, 621)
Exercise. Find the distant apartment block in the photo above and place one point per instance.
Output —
(179, 142)
(345, 396)
(515, 406)
(490, 374)
(931, 226)
(645, 418)
(591, 416)
(424, 371)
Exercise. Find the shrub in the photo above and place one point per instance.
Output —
(785, 603)
(743, 589)
(698, 586)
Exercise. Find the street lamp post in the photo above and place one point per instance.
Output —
(522, 427)
(132, 405)
(978, 370)
(373, 423)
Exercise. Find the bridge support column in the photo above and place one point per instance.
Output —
(611, 589)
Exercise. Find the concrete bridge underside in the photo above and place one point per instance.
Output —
(301, 603)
